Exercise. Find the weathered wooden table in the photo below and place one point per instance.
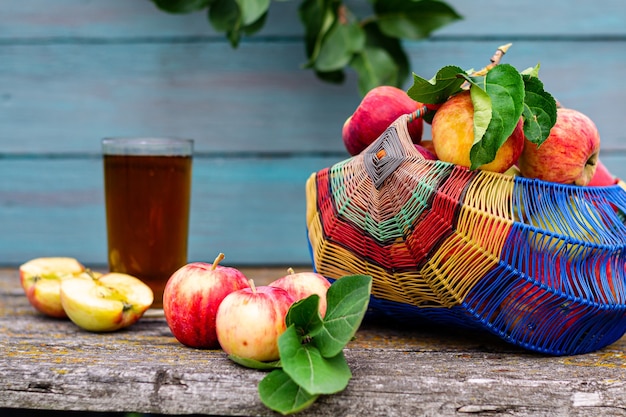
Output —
(397, 371)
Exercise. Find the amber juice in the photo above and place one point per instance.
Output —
(147, 207)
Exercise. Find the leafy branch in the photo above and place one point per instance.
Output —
(335, 37)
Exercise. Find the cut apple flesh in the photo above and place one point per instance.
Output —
(108, 303)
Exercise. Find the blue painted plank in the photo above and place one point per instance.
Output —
(253, 210)
(64, 98)
(123, 19)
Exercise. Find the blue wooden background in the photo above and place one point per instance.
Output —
(74, 71)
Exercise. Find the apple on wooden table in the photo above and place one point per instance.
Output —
(192, 296)
(106, 303)
(41, 280)
(250, 321)
(300, 285)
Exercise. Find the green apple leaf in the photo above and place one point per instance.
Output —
(280, 393)
(505, 88)
(254, 364)
(339, 46)
(539, 110)
(306, 366)
(347, 300)
(305, 316)
(445, 83)
(318, 17)
(413, 19)
(374, 66)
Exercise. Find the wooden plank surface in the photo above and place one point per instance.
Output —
(398, 370)
(74, 72)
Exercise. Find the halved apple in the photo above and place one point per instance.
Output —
(106, 303)
(41, 280)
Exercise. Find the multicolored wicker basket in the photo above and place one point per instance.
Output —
(542, 265)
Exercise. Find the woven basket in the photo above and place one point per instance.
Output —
(542, 265)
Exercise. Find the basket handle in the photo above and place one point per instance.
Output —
(391, 148)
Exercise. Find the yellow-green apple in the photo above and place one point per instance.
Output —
(570, 153)
(378, 109)
(602, 176)
(453, 136)
(250, 321)
(302, 284)
(106, 303)
(192, 296)
(41, 281)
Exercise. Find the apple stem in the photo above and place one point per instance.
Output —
(217, 260)
(252, 286)
(290, 271)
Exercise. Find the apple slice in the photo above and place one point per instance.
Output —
(41, 280)
(107, 303)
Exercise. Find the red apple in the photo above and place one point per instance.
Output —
(570, 153)
(428, 145)
(378, 109)
(192, 296)
(250, 321)
(453, 136)
(426, 153)
(602, 176)
(301, 285)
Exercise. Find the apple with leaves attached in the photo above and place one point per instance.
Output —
(106, 303)
(302, 284)
(192, 296)
(453, 136)
(250, 321)
(378, 109)
(41, 280)
(570, 153)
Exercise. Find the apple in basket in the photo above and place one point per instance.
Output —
(41, 280)
(302, 284)
(250, 321)
(570, 153)
(602, 176)
(453, 136)
(378, 109)
(106, 303)
(192, 296)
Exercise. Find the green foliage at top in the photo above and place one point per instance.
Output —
(335, 37)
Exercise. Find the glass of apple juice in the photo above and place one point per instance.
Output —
(147, 190)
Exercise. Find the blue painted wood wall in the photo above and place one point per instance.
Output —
(74, 71)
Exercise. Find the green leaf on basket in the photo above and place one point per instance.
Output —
(539, 110)
(254, 364)
(347, 300)
(413, 19)
(505, 87)
(445, 83)
(280, 393)
(306, 366)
